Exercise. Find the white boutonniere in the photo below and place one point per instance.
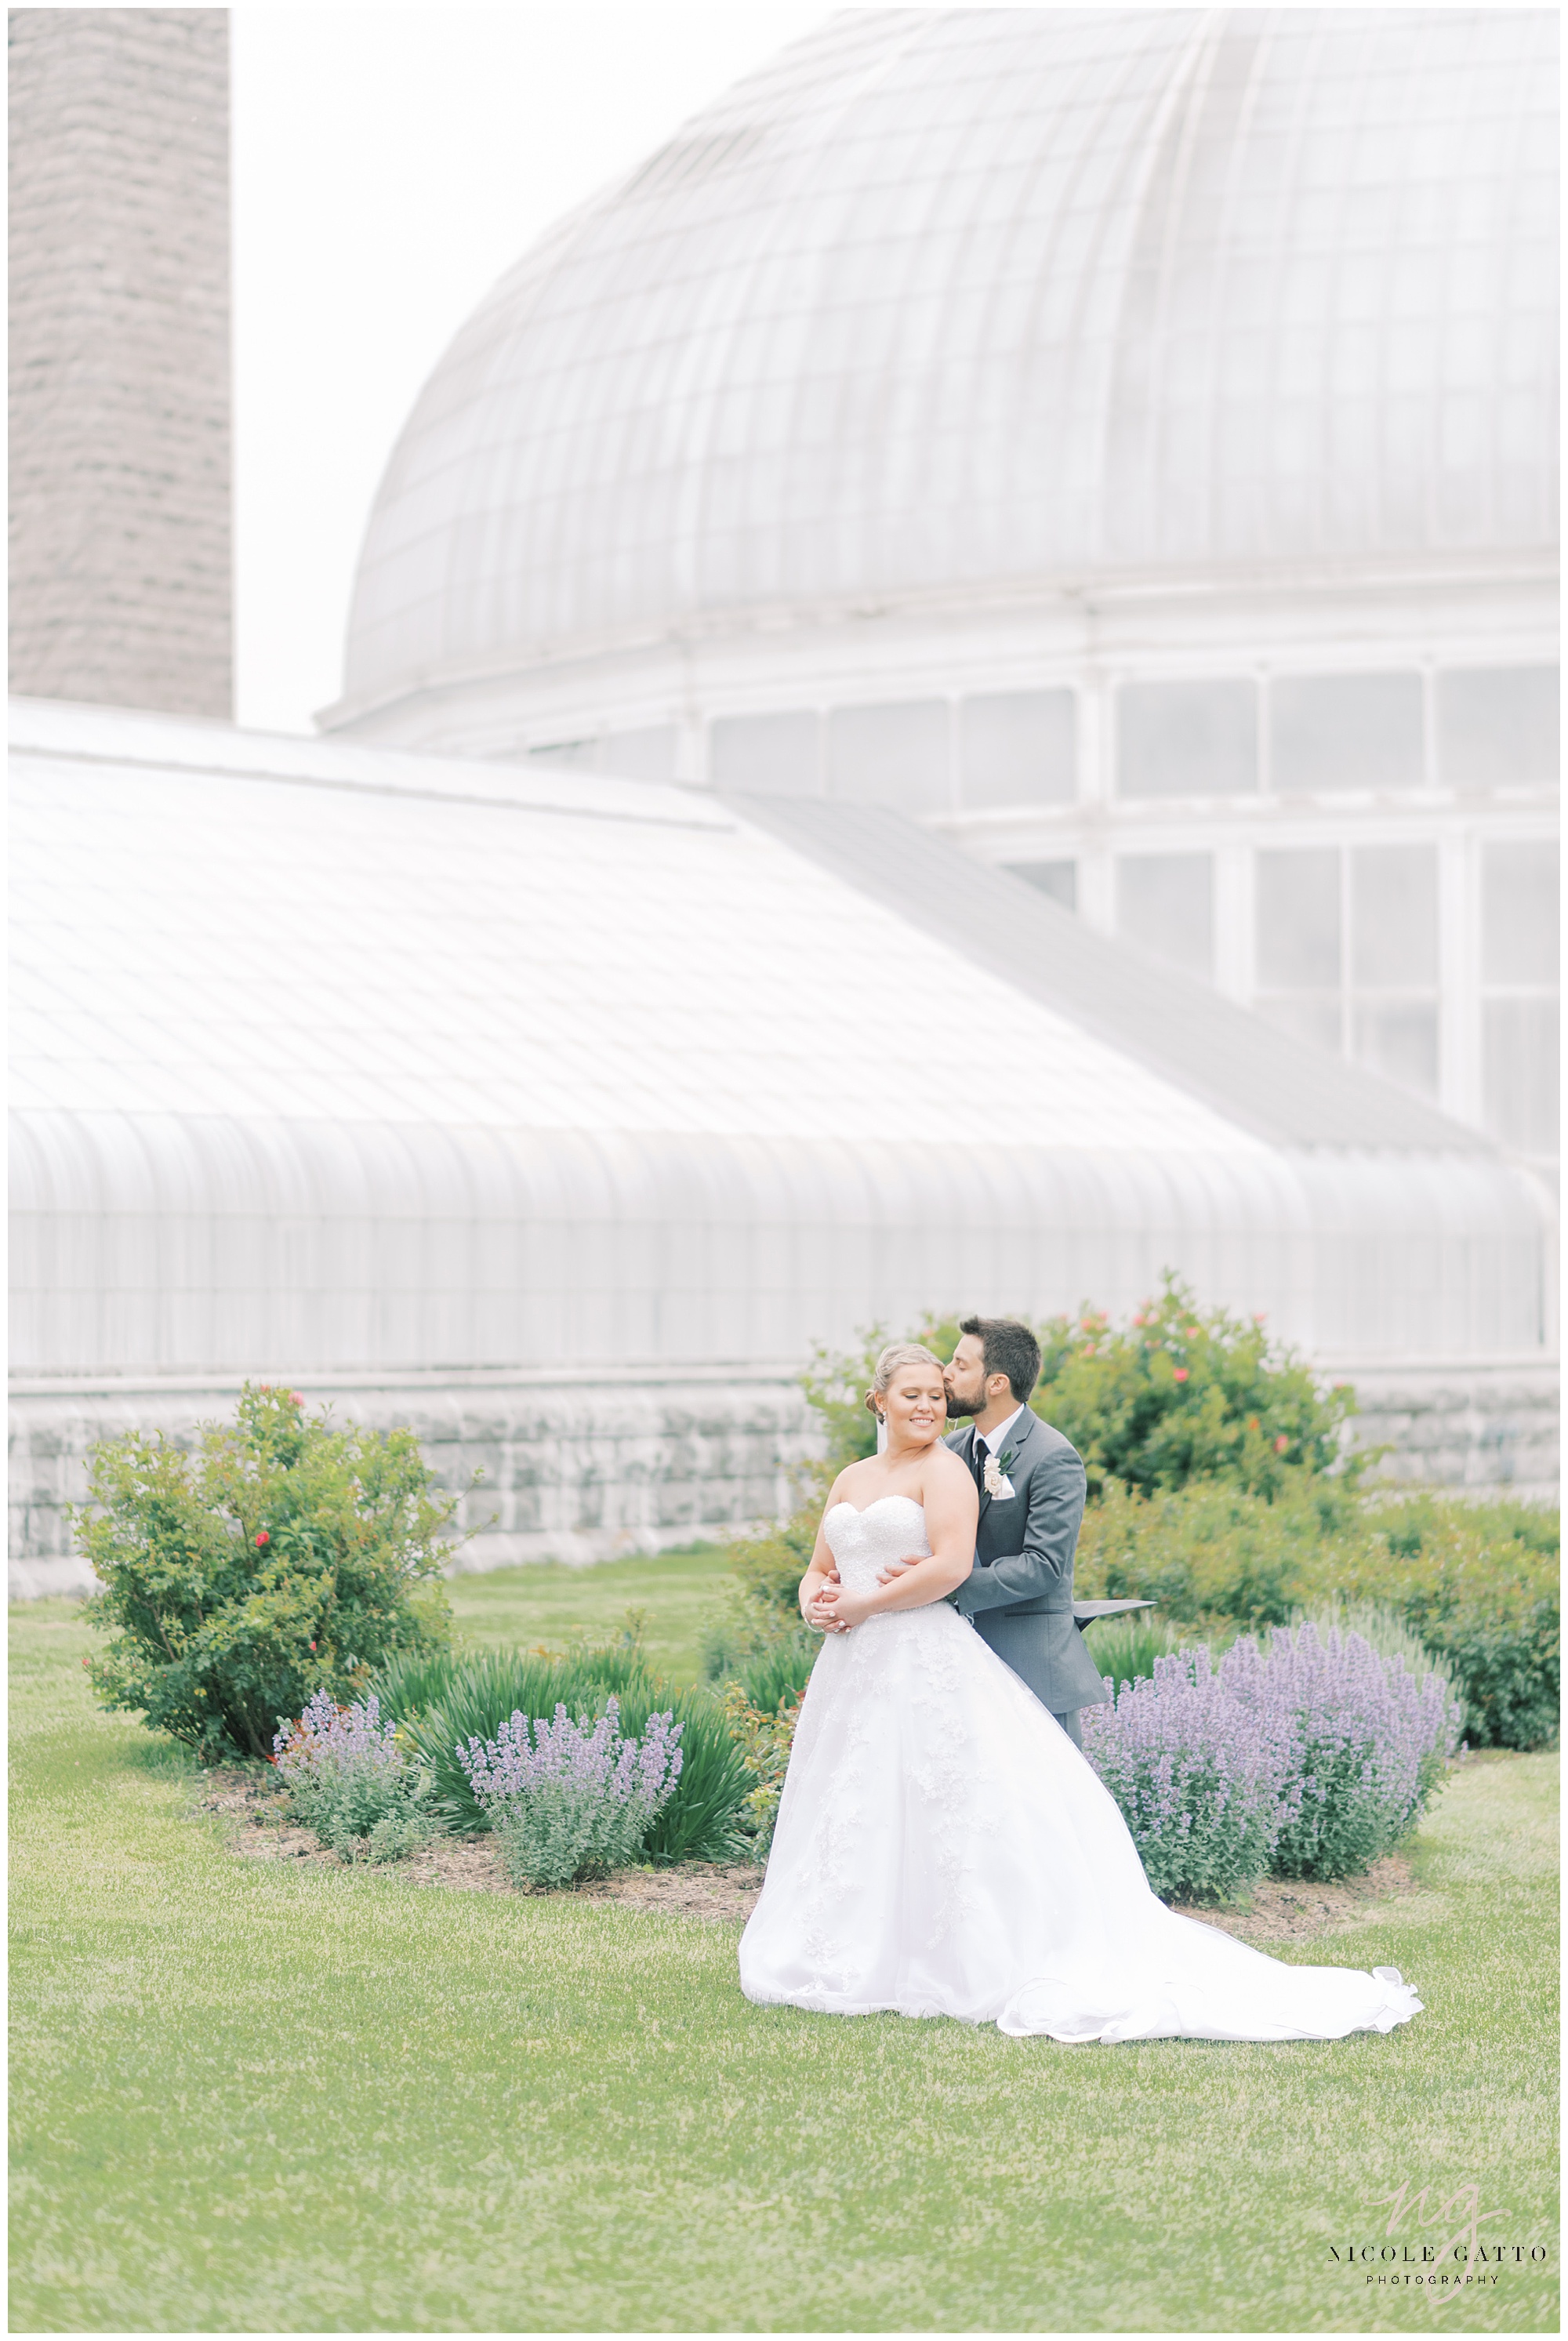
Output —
(997, 1483)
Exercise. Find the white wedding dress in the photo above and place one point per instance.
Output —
(944, 1850)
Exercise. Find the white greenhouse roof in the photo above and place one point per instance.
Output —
(943, 298)
(332, 1056)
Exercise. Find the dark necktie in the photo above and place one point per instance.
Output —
(977, 1455)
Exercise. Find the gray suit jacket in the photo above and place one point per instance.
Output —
(1019, 1593)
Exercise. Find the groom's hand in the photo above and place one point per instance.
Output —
(895, 1569)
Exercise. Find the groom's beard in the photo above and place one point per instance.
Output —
(959, 1407)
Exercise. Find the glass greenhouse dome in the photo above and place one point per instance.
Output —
(1123, 441)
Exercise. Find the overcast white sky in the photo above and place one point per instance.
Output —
(389, 163)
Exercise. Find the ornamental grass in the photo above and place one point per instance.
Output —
(445, 1700)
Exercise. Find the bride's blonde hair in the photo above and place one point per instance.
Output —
(896, 1354)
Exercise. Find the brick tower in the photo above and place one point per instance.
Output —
(121, 533)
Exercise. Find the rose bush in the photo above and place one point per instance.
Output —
(278, 1558)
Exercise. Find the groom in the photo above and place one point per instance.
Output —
(1031, 1484)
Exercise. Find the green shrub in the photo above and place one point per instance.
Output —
(1219, 1490)
(1209, 1550)
(763, 1738)
(1475, 1585)
(1180, 1393)
(768, 1569)
(1509, 1671)
(758, 1637)
(1184, 1393)
(280, 1559)
(444, 1700)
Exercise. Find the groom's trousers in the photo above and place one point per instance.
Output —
(1071, 1724)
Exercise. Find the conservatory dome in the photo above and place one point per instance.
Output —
(957, 302)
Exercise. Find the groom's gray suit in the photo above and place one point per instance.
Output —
(1019, 1593)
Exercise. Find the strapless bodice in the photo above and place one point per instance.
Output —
(893, 1529)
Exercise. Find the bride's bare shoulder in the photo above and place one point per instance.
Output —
(944, 1469)
(850, 1480)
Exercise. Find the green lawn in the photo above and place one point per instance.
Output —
(549, 1602)
(253, 2096)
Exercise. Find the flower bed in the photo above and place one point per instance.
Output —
(1310, 1760)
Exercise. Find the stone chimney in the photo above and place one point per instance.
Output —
(121, 536)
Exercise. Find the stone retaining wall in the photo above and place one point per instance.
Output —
(577, 1468)
(584, 1466)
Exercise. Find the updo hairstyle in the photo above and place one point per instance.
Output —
(896, 1354)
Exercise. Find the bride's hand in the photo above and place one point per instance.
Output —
(821, 1610)
(850, 1608)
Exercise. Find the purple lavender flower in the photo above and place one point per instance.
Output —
(1370, 1744)
(1200, 1780)
(348, 1780)
(568, 1800)
(1309, 1761)
(329, 1739)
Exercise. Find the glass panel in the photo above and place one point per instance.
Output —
(648, 755)
(1309, 1020)
(1518, 915)
(1399, 1042)
(1019, 747)
(1298, 920)
(1520, 1072)
(1186, 739)
(892, 755)
(1164, 902)
(766, 755)
(1057, 879)
(1497, 728)
(1345, 732)
(578, 755)
(1394, 916)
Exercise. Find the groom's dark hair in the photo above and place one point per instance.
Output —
(1008, 1348)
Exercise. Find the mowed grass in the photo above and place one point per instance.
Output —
(550, 1602)
(250, 2096)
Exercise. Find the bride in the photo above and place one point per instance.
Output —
(941, 1847)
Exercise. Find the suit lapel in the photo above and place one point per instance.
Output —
(1012, 1448)
(1023, 1431)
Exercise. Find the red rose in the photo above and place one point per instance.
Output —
(313, 1645)
(1281, 1443)
(1181, 1373)
(262, 1539)
(294, 1398)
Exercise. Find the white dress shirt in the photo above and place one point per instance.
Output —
(996, 1441)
